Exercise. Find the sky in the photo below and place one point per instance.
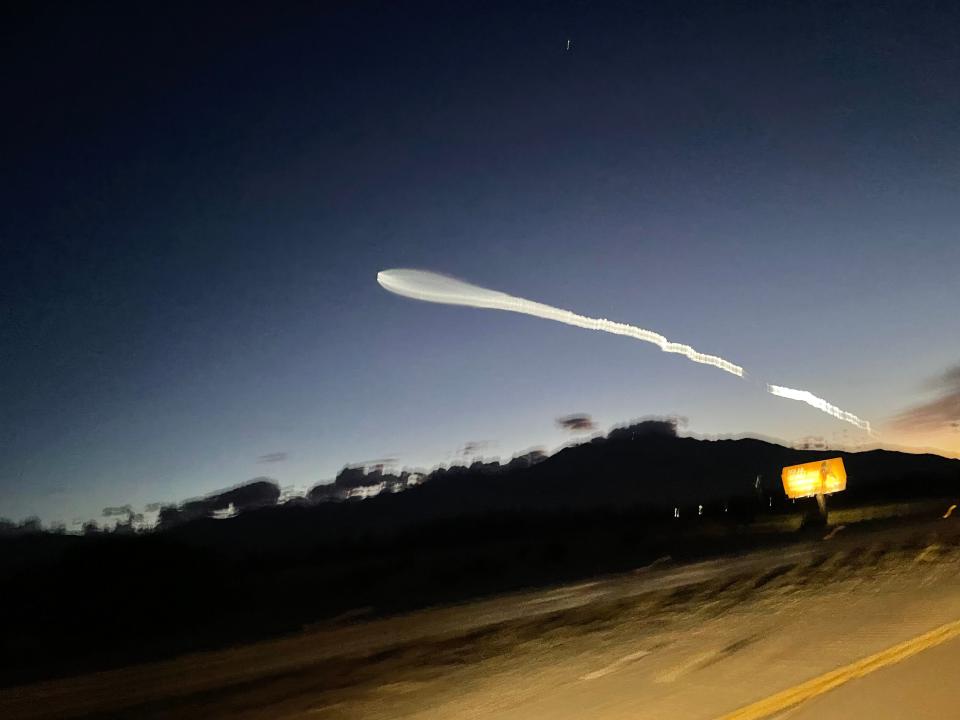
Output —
(196, 204)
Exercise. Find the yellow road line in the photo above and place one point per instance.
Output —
(819, 685)
(949, 511)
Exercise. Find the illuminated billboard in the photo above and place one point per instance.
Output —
(821, 477)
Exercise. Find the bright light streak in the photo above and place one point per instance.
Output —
(821, 404)
(431, 287)
(436, 288)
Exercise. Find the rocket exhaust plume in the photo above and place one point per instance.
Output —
(431, 287)
(819, 403)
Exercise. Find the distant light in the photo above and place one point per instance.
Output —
(366, 491)
(699, 509)
(676, 512)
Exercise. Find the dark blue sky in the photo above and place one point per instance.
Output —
(196, 205)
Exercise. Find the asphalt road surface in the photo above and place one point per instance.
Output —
(922, 687)
(733, 638)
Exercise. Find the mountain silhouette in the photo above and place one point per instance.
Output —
(606, 505)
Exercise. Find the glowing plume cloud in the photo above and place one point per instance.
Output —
(431, 287)
(821, 404)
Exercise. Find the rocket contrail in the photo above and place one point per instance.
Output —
(433, 287)
(819, 403)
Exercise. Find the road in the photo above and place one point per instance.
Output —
(923, 687)
(701, 641)
(897, 660)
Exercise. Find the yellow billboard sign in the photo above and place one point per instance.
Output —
(820, 477)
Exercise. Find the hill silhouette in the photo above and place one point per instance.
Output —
(259, 492)
(74, 603)
(641, 465)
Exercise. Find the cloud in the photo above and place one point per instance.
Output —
(941, 412)
(272, 457)
(116, 511)
(474, 447)
(578, 422)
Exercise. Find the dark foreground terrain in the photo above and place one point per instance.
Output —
(73, 605)
(770, 633)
